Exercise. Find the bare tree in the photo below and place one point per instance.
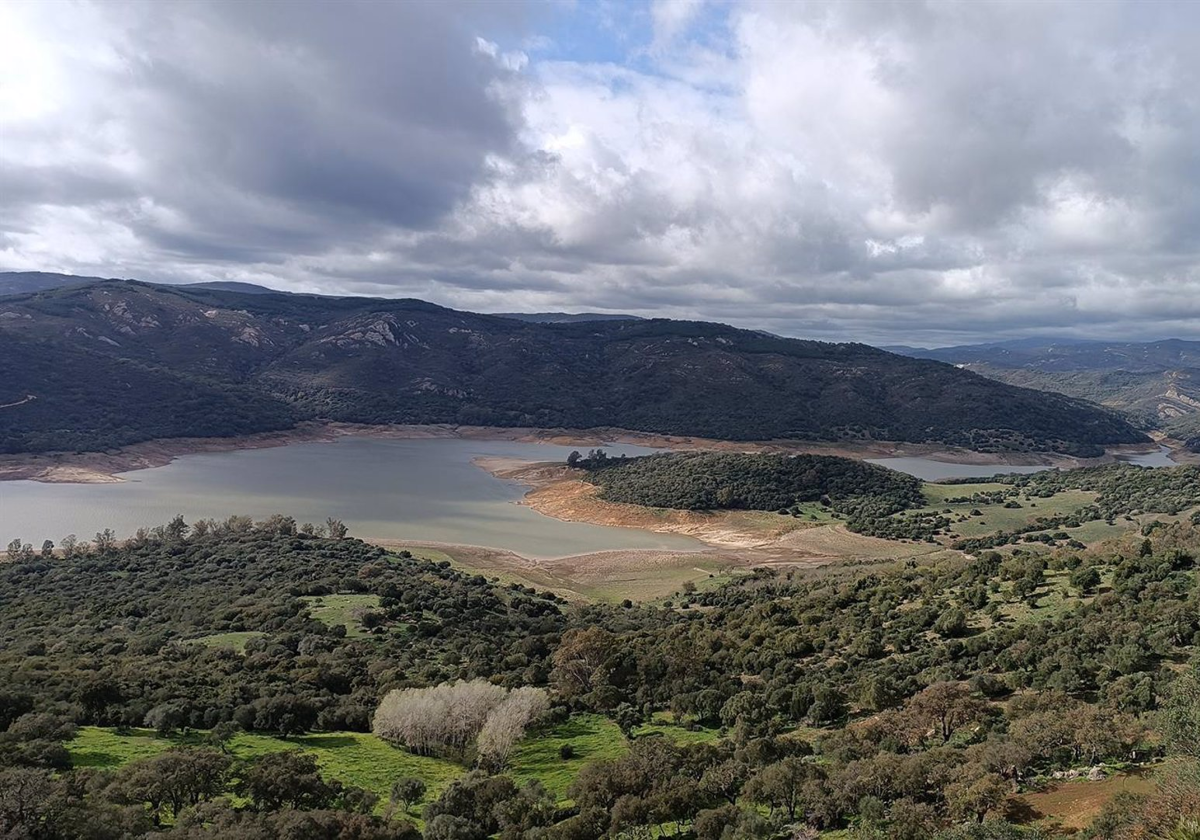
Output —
(506, 725)
(445, 718)
(105, 540)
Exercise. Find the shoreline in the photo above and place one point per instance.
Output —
(749, 538)
(106, 467)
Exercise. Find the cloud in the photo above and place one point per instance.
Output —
(908, 173)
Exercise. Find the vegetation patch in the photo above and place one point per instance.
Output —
(356, 758)
(234, 641)
(555, 755)
(343, 611)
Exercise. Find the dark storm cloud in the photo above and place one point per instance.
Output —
(299, 125)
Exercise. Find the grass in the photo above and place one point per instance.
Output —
(354, 758)
(591, 737)
(365, 761)
(432, 555)
(663, 724)
(343, 610)
(236, 640)
(656, 582)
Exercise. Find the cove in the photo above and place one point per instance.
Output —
(426, 490)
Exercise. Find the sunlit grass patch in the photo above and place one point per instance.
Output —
(342, 610)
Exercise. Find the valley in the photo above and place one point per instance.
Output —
(727, 613)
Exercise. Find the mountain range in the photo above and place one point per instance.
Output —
(1157, 383)
(114, 362)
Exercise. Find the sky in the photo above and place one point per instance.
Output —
(922, 173)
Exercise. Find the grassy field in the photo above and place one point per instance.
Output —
(657, 582)
(590, 737)
(343, 610)
(354, 758)
(236, 641)
(365, 761)
(997, 517)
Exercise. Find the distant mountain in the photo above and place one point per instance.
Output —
(121, 361)
(19, 282)
(235, 286)
(1156, 382)
(565, 317)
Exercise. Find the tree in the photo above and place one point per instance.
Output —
(105, 541)
(444, 719)
(289, 779)
(176, 530)
(973, 799)
(505, 725)
(1182, 714)
(221, 734)
(944, 707)
(628, 718)
(336, 529)
(1085, 579)
(951, 624)
(408, 791)
(175, 779)
(781, 786)
(828, 706)
(47, 549)
(165, 718)
(580, 660)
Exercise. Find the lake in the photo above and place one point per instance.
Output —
(426, 490)
(928, 469)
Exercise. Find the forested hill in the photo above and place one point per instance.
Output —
(121, 361)
(736, 481)
(913, 699)
(1155, 382)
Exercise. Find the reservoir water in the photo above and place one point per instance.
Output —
(927, 469)
(426, 490)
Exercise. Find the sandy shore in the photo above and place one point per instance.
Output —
(742, 536)
(100, 467)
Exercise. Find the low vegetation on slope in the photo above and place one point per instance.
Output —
(1117, 490)
(899, 702)
(405, 361)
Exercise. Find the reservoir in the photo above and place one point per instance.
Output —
(427, 490)
(927, 469)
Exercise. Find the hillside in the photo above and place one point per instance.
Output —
(1157, 383)
(566, 317)
(23, 282)
(406, 361)
(912, 698)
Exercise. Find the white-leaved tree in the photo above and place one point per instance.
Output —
(506, 725)
(451, 718)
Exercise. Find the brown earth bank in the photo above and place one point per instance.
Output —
(98, 467)
(756, 537)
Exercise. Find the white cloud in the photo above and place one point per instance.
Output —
(891, 172)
